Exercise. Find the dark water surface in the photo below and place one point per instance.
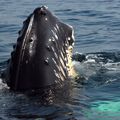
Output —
(95, 95)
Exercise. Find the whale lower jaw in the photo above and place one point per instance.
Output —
(41, 56)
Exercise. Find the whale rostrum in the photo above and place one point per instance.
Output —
(41, 56)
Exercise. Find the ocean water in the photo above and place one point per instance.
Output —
(96, 58)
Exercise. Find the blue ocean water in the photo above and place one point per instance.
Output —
(95, 95)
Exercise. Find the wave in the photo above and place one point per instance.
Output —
(96, 69)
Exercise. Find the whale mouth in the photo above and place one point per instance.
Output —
(42, 54)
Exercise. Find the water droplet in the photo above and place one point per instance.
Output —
(46, 61)
(26, 61)
(46, 19)
(50, 40)
(53, 40)
(48, 48)
(69, 38)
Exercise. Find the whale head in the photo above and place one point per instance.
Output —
(40, 56)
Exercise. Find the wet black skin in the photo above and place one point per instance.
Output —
(39, 57)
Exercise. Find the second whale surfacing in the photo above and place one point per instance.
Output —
(41, 55)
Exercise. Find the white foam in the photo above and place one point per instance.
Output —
(110, 80)
(90, 61)
(2, 85)
(0, 80)
(86, 69)
(113, 66)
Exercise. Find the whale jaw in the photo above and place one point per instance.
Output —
(40, 56)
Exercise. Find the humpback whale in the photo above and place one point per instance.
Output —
(41, 55)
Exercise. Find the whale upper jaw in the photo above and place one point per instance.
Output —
(40, 56)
